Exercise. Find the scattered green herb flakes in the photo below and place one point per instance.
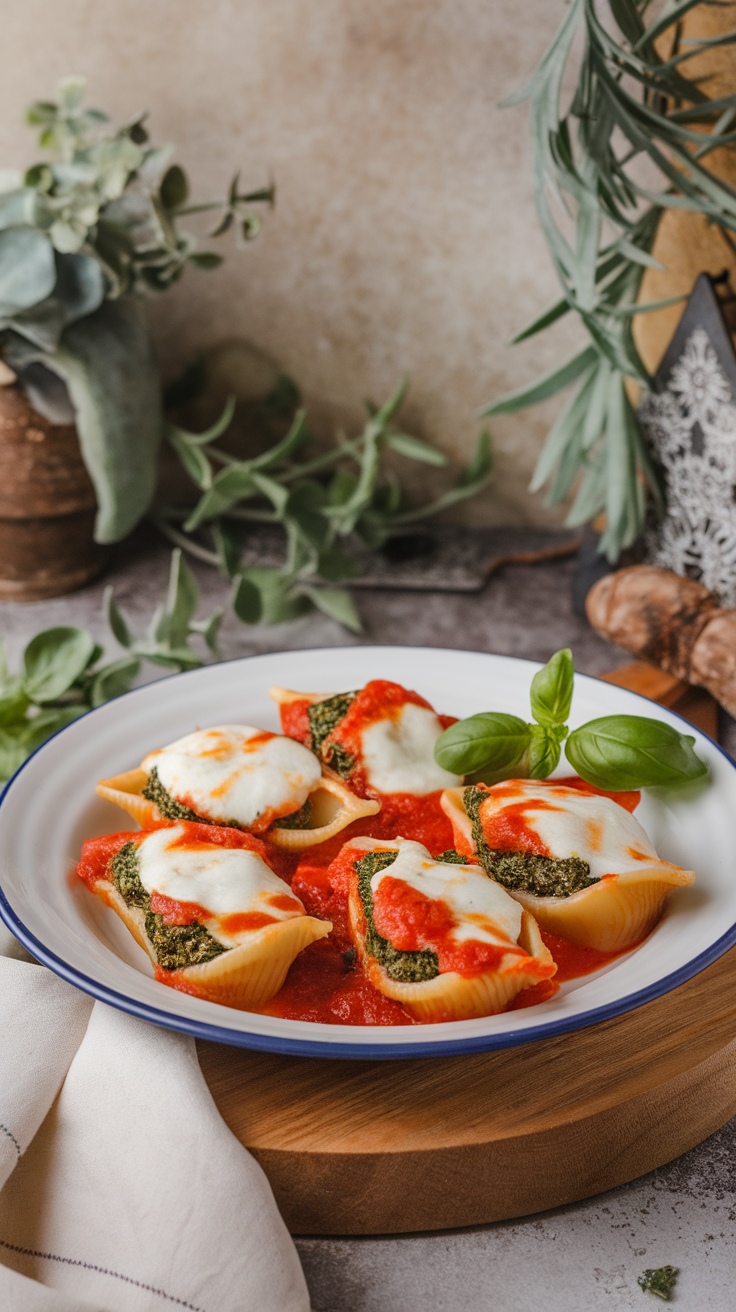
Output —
(543, 876)
(402, 967)
(300, 819)
(168, 806)
(175, 946)
(452, 857)
(660, 1281)
(325, 716)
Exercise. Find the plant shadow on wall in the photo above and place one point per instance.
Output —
(633, 102)
(82, 240)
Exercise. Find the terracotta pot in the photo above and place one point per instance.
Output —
(47, 506)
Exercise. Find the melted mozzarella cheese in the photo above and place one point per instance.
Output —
(398, 753)
(482, 909)
(225, 881)
(594, 828)
(238, 773)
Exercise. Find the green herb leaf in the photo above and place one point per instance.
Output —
(336, 603)
(116, 620)
(490, 741)
(174, 188)
(53, 660)
(246, 600)
(114, 680)
(414, 449)
(13, 700)
(544, 750)
(622, 752)
(551, 691)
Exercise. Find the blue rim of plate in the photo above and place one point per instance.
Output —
(352, 1051)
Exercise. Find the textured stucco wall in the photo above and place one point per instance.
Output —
(404, 239)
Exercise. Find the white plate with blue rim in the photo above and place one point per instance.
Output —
(50, 807)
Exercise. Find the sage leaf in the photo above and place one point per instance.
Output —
(115, 620)
(623, 752)
(491, 740)
(551, 691)
(53, 660)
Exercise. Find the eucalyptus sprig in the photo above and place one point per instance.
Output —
(632, 102)
(319, 497)
(617, 753)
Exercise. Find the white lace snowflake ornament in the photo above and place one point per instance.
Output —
(689, 422)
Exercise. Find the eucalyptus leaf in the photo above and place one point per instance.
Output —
(623, 752)
(551, 690)
(120, 425)
(27, 268)
(491, 740)
(53, 660)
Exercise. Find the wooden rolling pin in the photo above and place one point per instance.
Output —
(674, 622)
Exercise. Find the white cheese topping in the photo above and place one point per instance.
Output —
(482, 909)
(594, 828)
(235, 772)
(398, 753)
(226, 881)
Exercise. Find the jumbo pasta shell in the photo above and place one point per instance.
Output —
(333, 803)
(614, 914)
(245, 977)
(451, 996)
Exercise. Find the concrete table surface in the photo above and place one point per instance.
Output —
(582, 1258)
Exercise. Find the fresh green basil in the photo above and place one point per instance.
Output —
(620, 752)
(53, 660)
(544, 750)
(551, 691)
(490, 741)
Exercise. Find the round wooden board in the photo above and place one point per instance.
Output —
(353, 1147)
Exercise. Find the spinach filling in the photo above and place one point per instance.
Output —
(170, 809)
(168, 806)
(175, 946)
(297, 820)
(402, 967)
(323, 718)
(544, 876)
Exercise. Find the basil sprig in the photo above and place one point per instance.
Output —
(616, 752)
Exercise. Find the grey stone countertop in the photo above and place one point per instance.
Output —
(582, 1258)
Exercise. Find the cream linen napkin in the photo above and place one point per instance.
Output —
(121, 1188)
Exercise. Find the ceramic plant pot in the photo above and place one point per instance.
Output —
(47, 505)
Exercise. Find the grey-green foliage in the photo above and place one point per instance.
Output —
(79, 236)
(320, 498)
(61, 678)
(631, 103)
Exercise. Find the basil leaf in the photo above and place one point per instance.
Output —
(13, 700)
(488, 741)
(114, 679)
(620, 752)
(551, 691)
(53, 660)
(544, 750)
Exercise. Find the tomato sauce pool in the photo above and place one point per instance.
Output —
(326, 983)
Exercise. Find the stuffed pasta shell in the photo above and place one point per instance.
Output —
(240, 777)
(581, 863)
(438, 936)
(206, 906)
(380, 740)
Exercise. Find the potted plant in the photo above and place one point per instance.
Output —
(83, 238)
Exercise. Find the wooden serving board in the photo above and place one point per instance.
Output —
(354, 1147)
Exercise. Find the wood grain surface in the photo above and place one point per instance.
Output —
(353, 1147)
